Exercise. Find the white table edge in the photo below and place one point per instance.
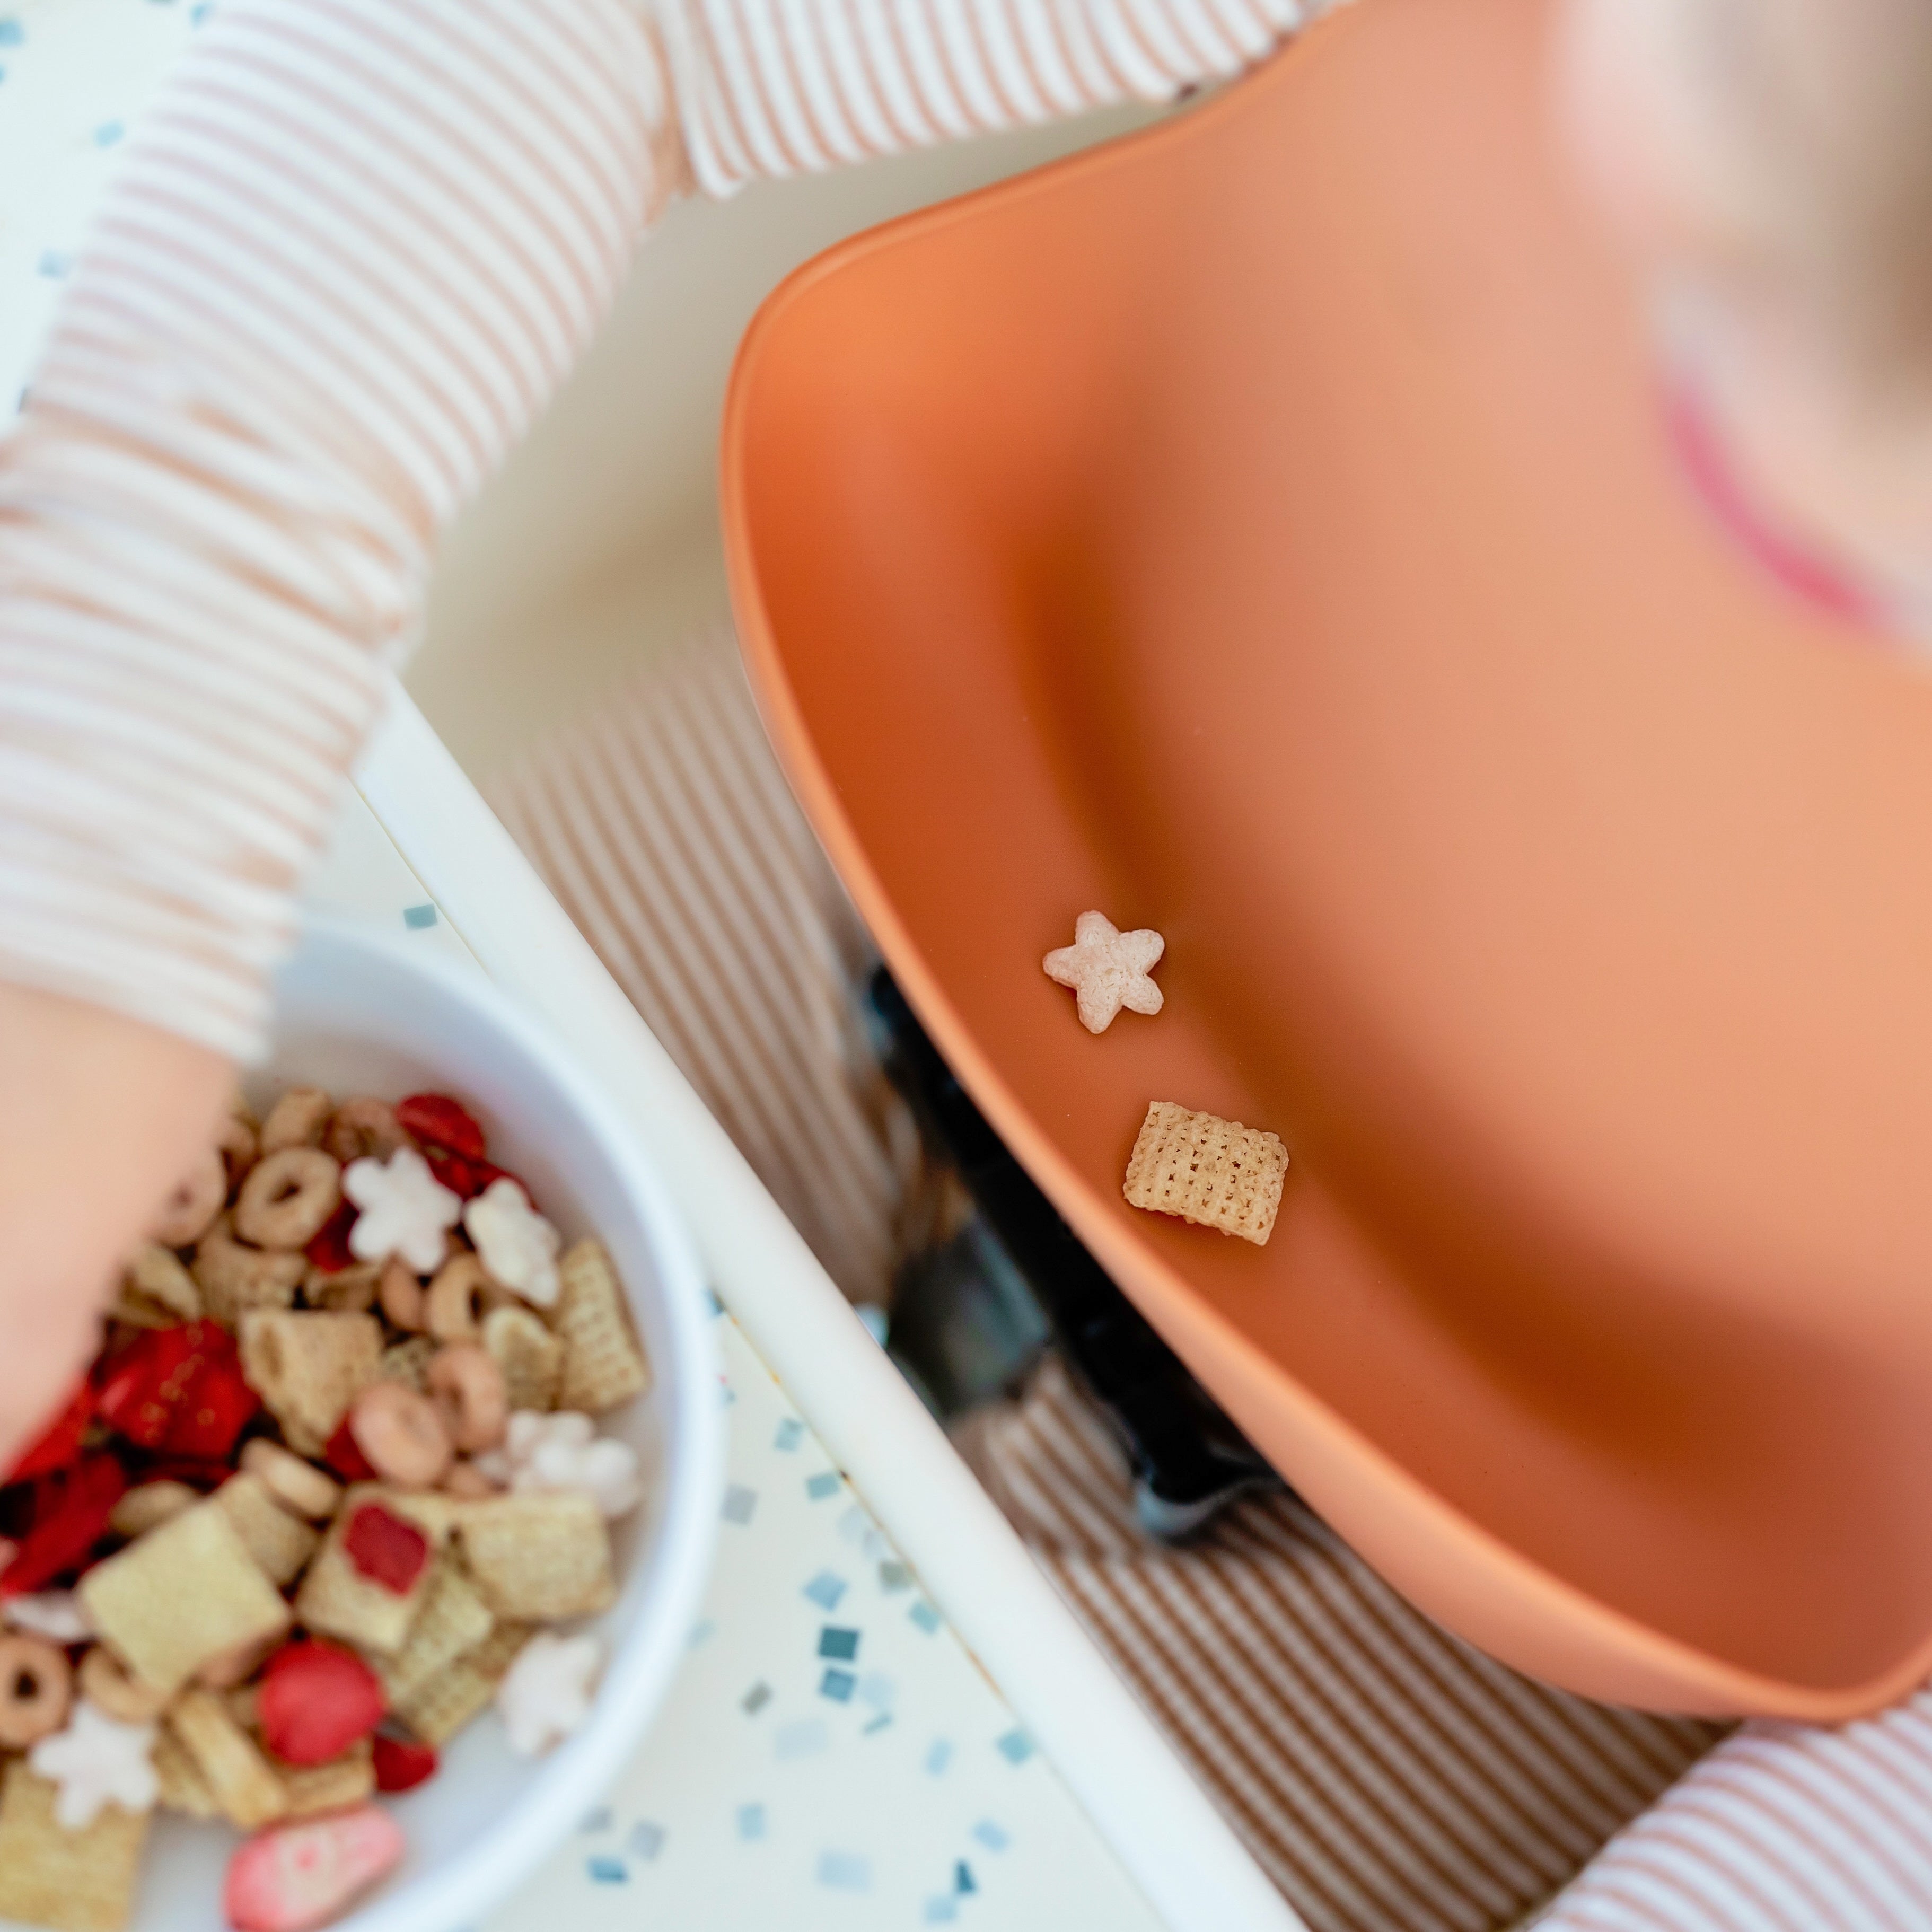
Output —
(1153, 1816)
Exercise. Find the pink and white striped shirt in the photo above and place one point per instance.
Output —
(356, 247)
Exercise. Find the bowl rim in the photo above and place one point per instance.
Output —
(638, 1672)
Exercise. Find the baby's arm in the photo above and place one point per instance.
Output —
(356, 246)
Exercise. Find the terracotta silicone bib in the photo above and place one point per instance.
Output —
(1262, 530)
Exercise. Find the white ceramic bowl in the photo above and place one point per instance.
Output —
(358, 1013)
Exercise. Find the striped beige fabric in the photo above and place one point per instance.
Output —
(1784, 1829)
(1389, 1778)
(664, 827)
(767, 88)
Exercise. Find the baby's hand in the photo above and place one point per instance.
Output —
(102, 1115)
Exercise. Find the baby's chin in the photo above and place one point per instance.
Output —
(1832, 503)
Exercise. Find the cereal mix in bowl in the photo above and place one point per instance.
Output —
(332, 1488)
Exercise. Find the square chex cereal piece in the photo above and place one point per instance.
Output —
(440, 1707)
(183, 1788)
(453, 1620)
(1215, 1173)
(539, 1557)
(71, 1881)
(281, 1543)
(308, 1366)
(238, 1776)
(604, 1362)
(182, 1595)
(530, 1357)
(333, 1786)
(369, 1578)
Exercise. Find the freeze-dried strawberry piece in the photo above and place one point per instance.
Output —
(466, 1178)
(438, 1121)
(343, 1455)
(385, 1549)
(59, 1445)
(297, 1877)
(328, 1248)
(179, 1390)
(401, 1763)
(315, 1700)
(68, 1516)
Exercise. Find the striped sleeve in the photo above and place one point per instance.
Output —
(1783, 1829)
(355, 246)
(782, 87)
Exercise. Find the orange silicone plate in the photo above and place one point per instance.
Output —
(1261, 529)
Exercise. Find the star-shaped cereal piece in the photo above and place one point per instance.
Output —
(546, 1693)
(55, 1615)
(97, 1760)
(518, 1246)
(543, 1455)
(406, 1210)
(1107, 969)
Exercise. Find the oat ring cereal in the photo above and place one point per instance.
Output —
(364, 1130)
(460, 1296)
(105, 1683)
(403, 1303)
(287, 1197)
(35, 1687)
(466, 1386)
(189, 1211)
(296, 1120)
(249, 1576)
(402, 1435)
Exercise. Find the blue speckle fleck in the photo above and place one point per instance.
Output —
(54, 264)
(895, 1575)
(938, 1757)
(417, 917)
(962, 1878)
(841, 1645)
(598, 1820)
(837, 1685)
(646, 1839)
(739, 1502)
(990, 1835)
(941, 1910)
(755, 1700)
(825, 1484)
(825, 1590)
(11, 33)
(107, 134)
(924, 1616)
(711, 1302)
(1016, 1747)
(844, 1871)
(750, 1821)
(805, 1738)
(607, 1871)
